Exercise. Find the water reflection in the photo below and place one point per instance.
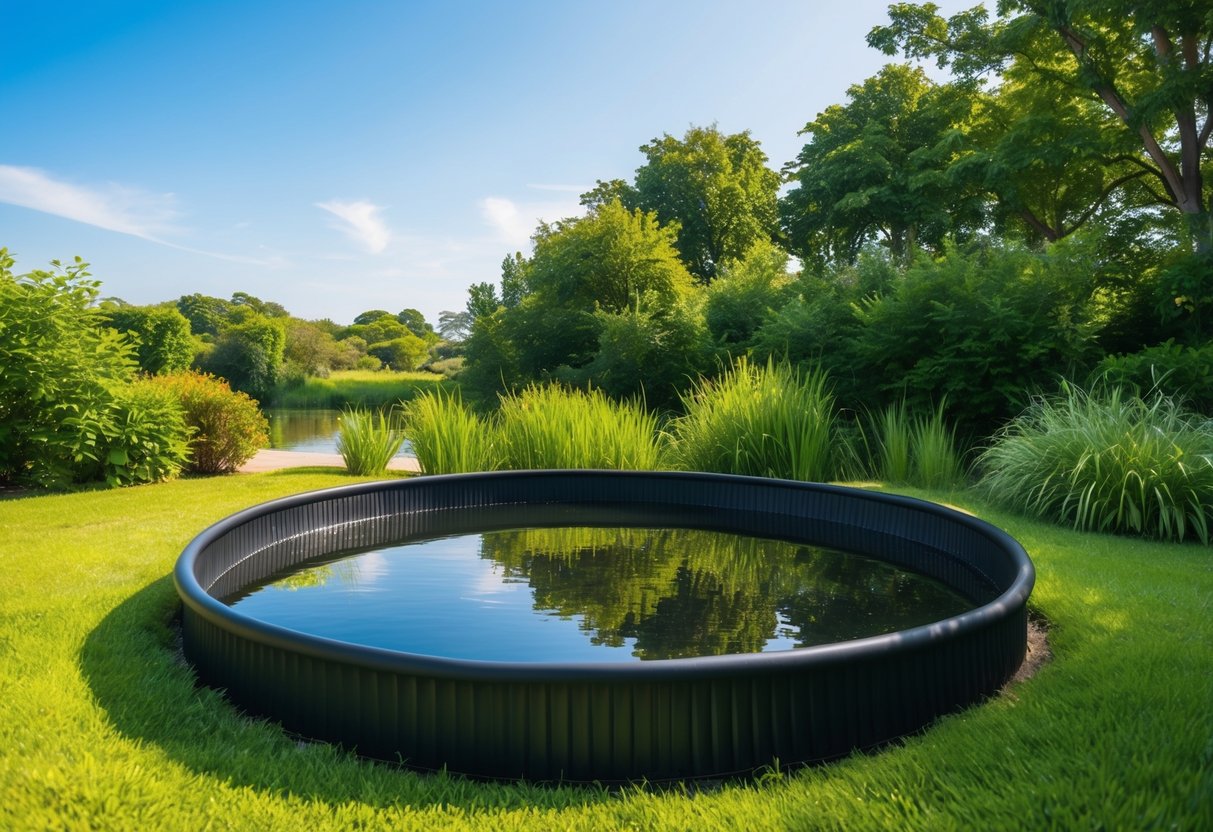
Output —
(599, 594)
(309, 430)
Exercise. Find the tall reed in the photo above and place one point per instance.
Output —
(367, 440)
(1107, 461)
(548, 426)
(766, 421)
(448, 437)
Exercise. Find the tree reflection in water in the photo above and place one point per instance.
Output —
(683, 592)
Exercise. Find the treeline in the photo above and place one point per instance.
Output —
(1043, 215)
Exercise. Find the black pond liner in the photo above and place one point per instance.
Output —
(656, 720)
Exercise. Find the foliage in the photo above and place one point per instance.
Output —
(373, 389)
(978, 329)
(367, 440)
(1107, 461)
(1148, 63)
(401, 354)
(550, 426)
(206, 315)
(447, 437)
(646, 355)
(765, 421)
(141, 437)
(745, 295)
(877, 169)
(715, 189)
(311, 349)
(249, 355)
(417, 324)
(60, 372)
(1181, 373)
(226, 427)
(161, 335)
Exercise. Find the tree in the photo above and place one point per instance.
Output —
(1151, 64)
(401, 354)
(745, 295)
(249, 355)
(261, 307)
(417, 324)
(207, 315)
(876, 169)
(482, 300)
(717, 189)
(454, 326)
(161, 335)
(370, 316)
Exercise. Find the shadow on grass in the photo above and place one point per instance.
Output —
(134, 667)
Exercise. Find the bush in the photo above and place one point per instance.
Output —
(401, 354)
(249, 355)
(1107, 461)
(60, 371)
(367, 440)
(227, 426)
(772, 421)
(161, 334)
(553, 427)
(448, 437)
(1172, 369)
(142, 437)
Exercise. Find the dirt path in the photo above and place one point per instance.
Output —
(270, 459)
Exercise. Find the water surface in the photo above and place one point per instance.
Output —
(598, 594)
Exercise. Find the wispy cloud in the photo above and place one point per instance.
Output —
(112, 207)
(514, 222)
(360, 221)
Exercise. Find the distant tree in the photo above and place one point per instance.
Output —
(417, 324)
(261, 307)
(876, 169)
(482, 300)
(745, 294)
(717, 188)
(454, 326)
(161, 335)
(249, 355)
(614, 190)
(207, 315)
(309, 349)
(401, 354)
(371, 315)
(513, 279)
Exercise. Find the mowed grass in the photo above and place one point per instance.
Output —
(101, 726)
(357, 388)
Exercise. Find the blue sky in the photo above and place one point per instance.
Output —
(343, 156)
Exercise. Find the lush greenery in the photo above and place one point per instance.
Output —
(102, 726)
(1108, 461)
(226, 427)
(357, 388)
(367, 440)
(448, 437)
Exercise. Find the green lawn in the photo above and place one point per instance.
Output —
(102, 727)
(357, 388)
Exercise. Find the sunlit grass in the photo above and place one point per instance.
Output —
(367, 440)
(357, 388)
(103, 727)
(550, 426)
(766, 421)
(1107, 461)
(448, 437)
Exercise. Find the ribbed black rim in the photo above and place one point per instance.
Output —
(1009, 601)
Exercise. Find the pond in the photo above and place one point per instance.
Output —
(613, 594)
(310, 431)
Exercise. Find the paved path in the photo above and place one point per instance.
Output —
(270, 459)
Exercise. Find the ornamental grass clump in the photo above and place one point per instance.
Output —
(448, 437)
(367, 440)
(765, 421)
(1107, 461)
(548, 426)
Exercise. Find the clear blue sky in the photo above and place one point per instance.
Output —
(342, 156)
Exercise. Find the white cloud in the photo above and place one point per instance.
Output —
(114, 207)
(514, 222)
(360, 221)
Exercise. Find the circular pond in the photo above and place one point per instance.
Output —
(595, 625)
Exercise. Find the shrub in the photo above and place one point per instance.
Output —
(58, 364)
(227, 426)
(553, 427)
(141, 437)
(772, 421)
(367, 440)
(401, 354)
(448, 437)
(161, 334)
(1169, 368)
(1107, 461)
(249, 355)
